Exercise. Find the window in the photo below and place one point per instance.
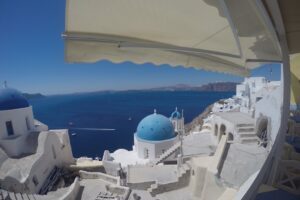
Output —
(9, 128)
(27, 123)
(146, 153)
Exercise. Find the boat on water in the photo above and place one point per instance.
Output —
(237, 151)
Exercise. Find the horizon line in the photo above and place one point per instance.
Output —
(130, 89)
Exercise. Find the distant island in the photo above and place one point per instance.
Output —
(212, 87)
(33, 96)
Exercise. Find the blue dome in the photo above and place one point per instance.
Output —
(12, 99)
(176, 115)
(155, 127)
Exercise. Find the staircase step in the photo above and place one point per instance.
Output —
(248, 129)
(19, 196)
(167, 153)
(149, 190)
(247, 134)
(30, 196)
(25, 197)
(186, 167)
(3, 194)
(245, 125)
(181, 172)
(247, 140)
(152, 187)
(12, 196)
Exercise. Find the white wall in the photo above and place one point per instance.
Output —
(270, 106)
(18, 118)
(219, 121)
(40, 164)
(39, 126)
(155, 148)
(111, 167)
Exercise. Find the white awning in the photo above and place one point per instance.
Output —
(217, 35)
(290, 11)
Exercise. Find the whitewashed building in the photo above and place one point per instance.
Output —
(16, 122)
(29, 152)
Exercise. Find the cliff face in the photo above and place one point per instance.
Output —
(212, 87)
(33, 96)
(219, 87)
(198, 120)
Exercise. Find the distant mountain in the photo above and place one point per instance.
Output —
(178, 87)
(219, 87)
(210, 87)
(213, 87)
(33, 96)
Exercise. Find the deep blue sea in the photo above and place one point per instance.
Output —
(112, 110)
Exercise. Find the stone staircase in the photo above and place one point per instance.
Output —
(247, 133)
(183, 174)
(168, 153)
(5, 195)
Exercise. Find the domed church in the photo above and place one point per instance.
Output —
(16, 121)
(28, 152)
(155, 134)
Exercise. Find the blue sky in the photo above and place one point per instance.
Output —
(32, 57)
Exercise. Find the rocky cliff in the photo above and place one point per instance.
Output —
(198, 121)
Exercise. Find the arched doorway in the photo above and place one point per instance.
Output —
(230, 137)
(222, 131)
(262, 130)
(216, 129)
